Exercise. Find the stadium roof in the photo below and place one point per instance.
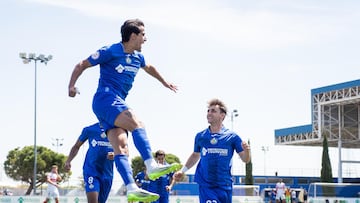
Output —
(335, 112)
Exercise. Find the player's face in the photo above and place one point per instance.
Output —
(139, 39)
(161, 158)
(214, 115)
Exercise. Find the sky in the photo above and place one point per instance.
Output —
(261, 58)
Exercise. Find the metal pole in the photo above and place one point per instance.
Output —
(35, 148)
(26, 59)
(340, 112)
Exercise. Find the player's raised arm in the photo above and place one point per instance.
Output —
(78, 70)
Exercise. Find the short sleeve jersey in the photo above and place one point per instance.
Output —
(158, 186)
(96, 162)
(117, 68)
(53, 178)
(140, 177)
(216, 151)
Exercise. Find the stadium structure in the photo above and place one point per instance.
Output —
(335, 113)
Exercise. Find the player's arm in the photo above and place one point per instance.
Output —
(58, 178)
(192, 160)
(245, 155)
(78, 70)
(73, 152)
(171, 185)
(151, 70)
(48, 180)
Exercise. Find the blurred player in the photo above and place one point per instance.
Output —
(98, 164)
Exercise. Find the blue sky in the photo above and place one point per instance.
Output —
(260, 57)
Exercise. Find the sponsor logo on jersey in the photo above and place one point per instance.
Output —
(120, 68)
(218, 151)
(95, 143)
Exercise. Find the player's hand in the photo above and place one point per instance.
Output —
(171, 86)
(245, 146)
(73, 91)
(110, 155)
(178, 175)
(67, 166)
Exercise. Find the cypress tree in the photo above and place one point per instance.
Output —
(249, 179)
(326, 171)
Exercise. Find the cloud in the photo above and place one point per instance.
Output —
(257, 27)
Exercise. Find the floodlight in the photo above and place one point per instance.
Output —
(41, 57)
(22, 55)
(32, 56)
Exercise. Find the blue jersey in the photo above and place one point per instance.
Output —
(141, 178)
(96, 162)
(216, 151)
(117, 68)
(158, 186)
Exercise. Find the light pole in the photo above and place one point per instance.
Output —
(58, 142)
(265, 149)
(27, 59)
(234, 114)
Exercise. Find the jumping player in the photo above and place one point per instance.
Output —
(119, 64)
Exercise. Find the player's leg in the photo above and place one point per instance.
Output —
(54, 194)
(118, 140)
(92, 187)
(128, 120)
(208, 195)
(105, 188)
(113, 112)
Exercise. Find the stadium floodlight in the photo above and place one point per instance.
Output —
(27, 59)
(234, 114)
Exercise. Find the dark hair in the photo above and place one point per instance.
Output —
(218, 102)
(129, 27)
(159, 153)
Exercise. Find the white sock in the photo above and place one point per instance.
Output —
(131, 186)
(150, 163)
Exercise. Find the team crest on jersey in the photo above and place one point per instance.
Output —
(128, 59)
(95, 55)
(213, 140)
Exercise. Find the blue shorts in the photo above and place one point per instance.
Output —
(214, 195)
(100, 185)
(107, 106)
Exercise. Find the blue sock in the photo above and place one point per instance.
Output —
(123, 167)
(142, 143)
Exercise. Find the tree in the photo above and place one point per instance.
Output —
(19, 165)
(326, 171)
(249, 179)
(137, 163)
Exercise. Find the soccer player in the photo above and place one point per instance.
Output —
(119, 64)
(214, 147)
(164, 184)
(280, 191)
(52, 179)
(98, 164)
